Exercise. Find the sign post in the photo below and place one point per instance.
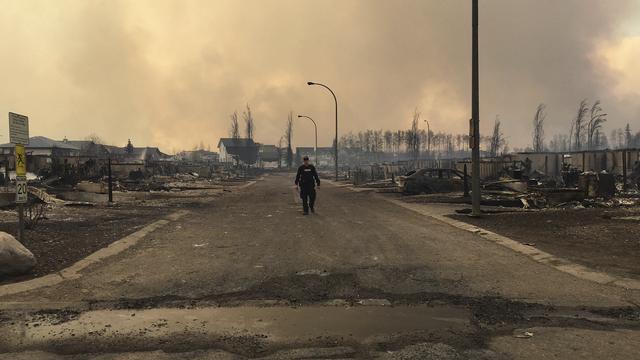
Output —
(19, 135)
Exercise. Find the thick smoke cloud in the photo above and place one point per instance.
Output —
(169, 73)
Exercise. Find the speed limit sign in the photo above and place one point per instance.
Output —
(21, 189)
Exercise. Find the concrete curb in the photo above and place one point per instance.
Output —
(73, 271)
(566, 266)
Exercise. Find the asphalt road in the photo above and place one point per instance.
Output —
(361, 278)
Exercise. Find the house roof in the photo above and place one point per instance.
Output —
(244, 149)
(137, 152)
(78, 143)
(240, 142)
(269, 153)
(41, 142)
(88, 147)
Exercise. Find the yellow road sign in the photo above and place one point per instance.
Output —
(21, 161)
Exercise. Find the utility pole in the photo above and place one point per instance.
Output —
(110, 183)
(475, 114)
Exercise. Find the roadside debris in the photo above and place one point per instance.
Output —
(317, 272)
(518, 189)
(524, 335)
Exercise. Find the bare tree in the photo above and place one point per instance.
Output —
(595, 123)
(95, 138)
(560, 142)
(388, 141)
(600, 140)
(628, 137)
(497, 141)
(288, 136)
(579, 125)
(248, 122)
(234, 131)
(412, 137)
(538, 128)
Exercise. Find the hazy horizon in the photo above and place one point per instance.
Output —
(170, 73)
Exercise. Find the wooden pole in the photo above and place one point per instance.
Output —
(624, 170)
(475, 112)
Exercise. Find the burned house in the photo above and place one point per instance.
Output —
(198, 156)
(325, 155)
(554, 163)
(44, 156)
(143, 160)
(238, 152)
(268, 156)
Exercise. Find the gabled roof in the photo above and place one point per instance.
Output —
(41, 142)
(240, 142)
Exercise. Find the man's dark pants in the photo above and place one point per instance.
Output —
(308, 195)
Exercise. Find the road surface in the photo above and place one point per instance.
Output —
(250, 276)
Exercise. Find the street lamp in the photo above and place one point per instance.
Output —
(335, 145)
(428, 138)
(315, 151)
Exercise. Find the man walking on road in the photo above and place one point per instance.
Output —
(306, 180)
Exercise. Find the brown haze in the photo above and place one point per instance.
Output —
(169, 73)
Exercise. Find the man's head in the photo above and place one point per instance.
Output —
(305, 160)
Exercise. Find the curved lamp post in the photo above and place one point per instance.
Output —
(315, 150)
(335, 145)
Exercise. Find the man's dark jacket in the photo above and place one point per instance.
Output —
(307, 177)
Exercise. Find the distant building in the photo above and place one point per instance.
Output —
(43, 155)
(325, 155)
(43, 146)
(130, 154)
(74, 159)
(268, 156)
(88, 148)
(238, 151)
(198, 156)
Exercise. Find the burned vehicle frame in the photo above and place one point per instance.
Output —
(434, 180)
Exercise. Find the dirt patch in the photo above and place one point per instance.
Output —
(603, 239)
(71, 233)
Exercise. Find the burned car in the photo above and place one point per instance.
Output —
(428, 181)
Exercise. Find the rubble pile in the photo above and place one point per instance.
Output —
(520, 187)
(574, 189)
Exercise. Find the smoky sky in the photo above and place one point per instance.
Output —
(169, 73)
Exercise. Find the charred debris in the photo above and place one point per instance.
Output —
(607, 178)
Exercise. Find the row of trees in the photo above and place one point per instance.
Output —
(414, 143)
(586, 131)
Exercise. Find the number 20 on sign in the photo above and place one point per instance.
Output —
(21, 189)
